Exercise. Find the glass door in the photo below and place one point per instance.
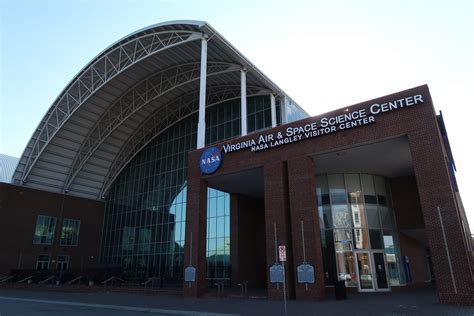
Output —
(371, 271)
(364, 271)
(380, 271)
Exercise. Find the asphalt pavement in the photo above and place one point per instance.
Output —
(15, 302)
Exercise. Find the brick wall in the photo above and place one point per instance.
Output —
(417, 123)
(19, 209)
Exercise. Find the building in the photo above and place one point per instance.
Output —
(170, 155)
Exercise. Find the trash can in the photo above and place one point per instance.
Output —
(340, 289)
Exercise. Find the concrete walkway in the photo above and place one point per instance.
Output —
(22, 302)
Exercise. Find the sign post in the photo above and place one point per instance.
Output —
(282, 257)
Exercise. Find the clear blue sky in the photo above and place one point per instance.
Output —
(324, 54)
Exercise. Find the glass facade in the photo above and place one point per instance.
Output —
(218, 235)
(144, 224)
(294, 112)
(44, 230)
(356, 214)
(70, 232)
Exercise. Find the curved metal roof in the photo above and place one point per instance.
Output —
(148, 78)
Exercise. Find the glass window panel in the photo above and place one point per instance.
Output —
(322, 189)
(337, 189)
(386, 217)
(341, 216)
(381, 190)
(325, 216)
(391, 257)
(212, 206)
(227, 226)
(372, 216)
(352, 183)
(212, 227)
(220, 226)
(44, 230)
(361, 238)
(220, 244)
(70, 232)
(343, 240)
(346, 270)
(375, 239)
(368, 188)
(227, 204)
(358, 215)
(220, 206)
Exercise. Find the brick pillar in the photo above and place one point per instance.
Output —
(277, 214)
(196, 213)
(303, 205)
(434, 189)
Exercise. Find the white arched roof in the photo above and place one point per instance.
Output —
(123, 98)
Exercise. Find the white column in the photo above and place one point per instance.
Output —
(201, 132)
(243, 101)
(273, 109)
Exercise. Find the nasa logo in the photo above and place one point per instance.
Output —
(211, 160)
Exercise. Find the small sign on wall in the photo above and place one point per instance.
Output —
(282, 253)
(305, 273)
(190, 274)
(277, 273)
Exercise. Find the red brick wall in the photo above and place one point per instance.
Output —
(417, 123)
(19, 209)
(406, 203)
(419, 267)
(248, 258)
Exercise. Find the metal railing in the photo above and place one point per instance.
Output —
(112, 279)
(243, 288)
(7, 278)
(25, 279)
(78, 279)
(220, 288)
(51, 278)
(152, 281)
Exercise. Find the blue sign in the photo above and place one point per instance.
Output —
(211, 160)
(277, 274)
(190, 274)
(305, 273)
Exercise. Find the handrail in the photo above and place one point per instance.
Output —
(220, 288)
(150, 280)
(25, 279)
(243, 288)
(48, 279)
(113, 278)
(7, 278)
(74, 280)
(4, 277)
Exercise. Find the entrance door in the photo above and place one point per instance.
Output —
(364, 271)
(371, 271)
(380, 271)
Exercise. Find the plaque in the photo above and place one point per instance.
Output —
(190, 274)
(305, 273)
(276, 273)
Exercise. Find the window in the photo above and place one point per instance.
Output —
(44, 231)
(70, 232)
(63, 263)
(43, 262)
